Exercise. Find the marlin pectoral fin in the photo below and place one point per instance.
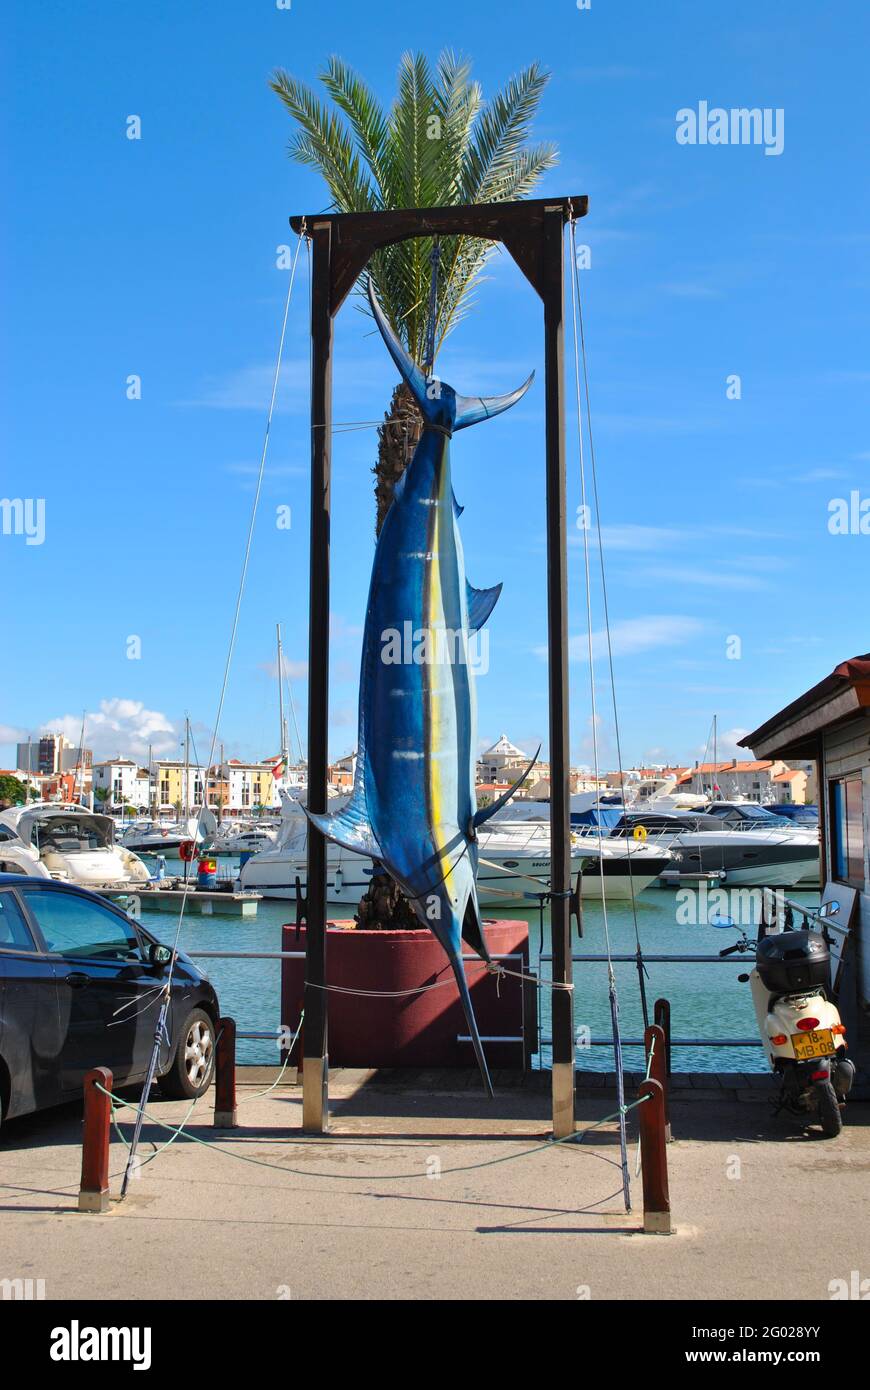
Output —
(486, 811)
(481, 602)
(471, 409)
(349, 828)
(472, 929)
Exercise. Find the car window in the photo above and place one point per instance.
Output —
(73, 926)
(14, 931)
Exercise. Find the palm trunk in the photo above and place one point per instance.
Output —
(398, 437)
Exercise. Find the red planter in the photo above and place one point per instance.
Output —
(415, 1029)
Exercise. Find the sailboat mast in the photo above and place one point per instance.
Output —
(715, 757)
(283, 722)
(186, 799)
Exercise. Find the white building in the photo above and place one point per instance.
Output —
(495, 764)
(124, 783)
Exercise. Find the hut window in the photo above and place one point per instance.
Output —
(847, 830)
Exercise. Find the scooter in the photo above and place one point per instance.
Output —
(799, 1022)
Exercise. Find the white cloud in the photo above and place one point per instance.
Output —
(119, 726)
(293, 670)
(636, 635)
(9, 734)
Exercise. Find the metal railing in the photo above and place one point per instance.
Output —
(655, 958)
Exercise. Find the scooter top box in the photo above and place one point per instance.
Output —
(794, 960)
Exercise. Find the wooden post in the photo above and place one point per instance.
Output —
(655, 1043)
(553, 294)
(226, 1115)
(94, 1187)
(654, 1159)
(662, 1017)
(315, 1078)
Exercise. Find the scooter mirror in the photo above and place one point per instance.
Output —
(717, 921)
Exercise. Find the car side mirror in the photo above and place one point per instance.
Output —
(829, 909)
(159, 954)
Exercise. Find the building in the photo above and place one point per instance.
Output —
(503, 757)
(251, 787)
(52, 753)
(124, 783)
(764, 780)
(340, 774)
(177, 786)
(830, 725)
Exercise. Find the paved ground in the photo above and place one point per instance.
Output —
(761, 1209)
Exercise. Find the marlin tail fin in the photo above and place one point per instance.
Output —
(468, 1009)
(439, 403)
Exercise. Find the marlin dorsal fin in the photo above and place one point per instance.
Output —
(486, 811)
(481, 602)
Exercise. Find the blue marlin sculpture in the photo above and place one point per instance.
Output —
(413, 808)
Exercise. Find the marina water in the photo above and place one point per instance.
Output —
(706, 998)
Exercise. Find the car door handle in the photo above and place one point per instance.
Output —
(77, 980)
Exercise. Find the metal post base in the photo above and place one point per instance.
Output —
(226, 1119)
(563, 1099)
(315, 1095)
(657, 1223)
(94, 1202)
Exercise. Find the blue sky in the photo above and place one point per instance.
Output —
(158, 257)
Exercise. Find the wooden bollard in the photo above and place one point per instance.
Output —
(94, 1188)
(225, 1109)
(654, 1159)
(662, 1016)
(655, 1043)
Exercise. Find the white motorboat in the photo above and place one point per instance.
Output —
(70, 843)
(749, 816)
(245, 837)
(163, 837)
(514, 857)
(703, 846)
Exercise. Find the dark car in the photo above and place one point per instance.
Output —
(80, 986)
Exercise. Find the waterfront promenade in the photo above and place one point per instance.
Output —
(201, 1224)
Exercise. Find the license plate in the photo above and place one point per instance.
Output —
(809, 1045)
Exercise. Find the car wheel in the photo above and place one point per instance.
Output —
(192, 1068)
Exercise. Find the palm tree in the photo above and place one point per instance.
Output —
(439, 144)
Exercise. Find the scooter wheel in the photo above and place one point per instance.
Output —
(830, 1116)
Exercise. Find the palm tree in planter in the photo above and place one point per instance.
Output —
(439, 144)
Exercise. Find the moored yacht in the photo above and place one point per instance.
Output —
(514, 858)
(69, 842)
(703, 845)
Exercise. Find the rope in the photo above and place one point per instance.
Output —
(226, 675)
(611, 978)
(578, 303)
(574, 1139)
